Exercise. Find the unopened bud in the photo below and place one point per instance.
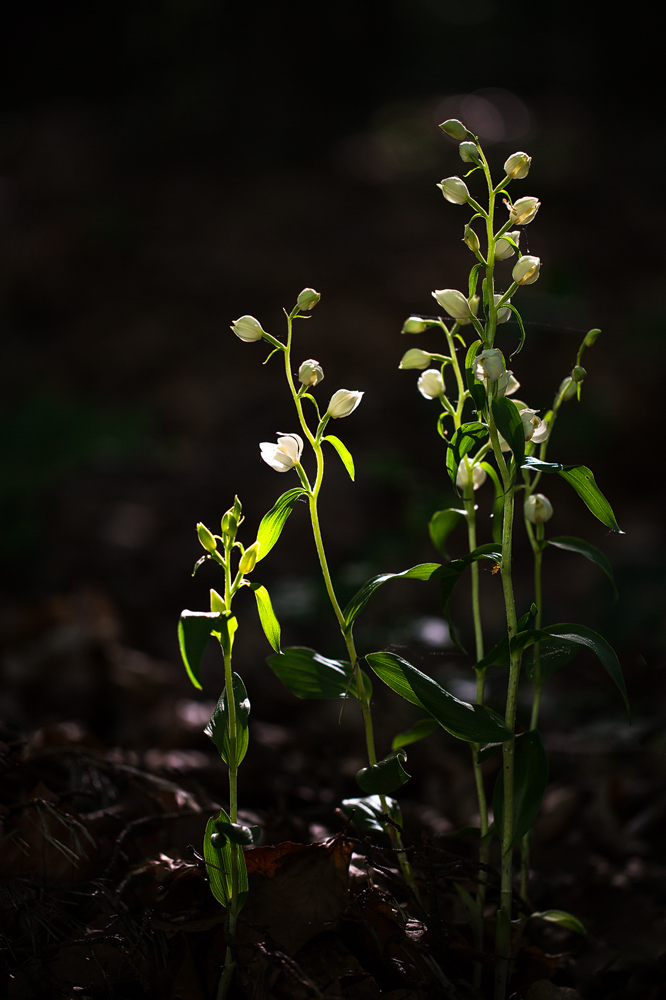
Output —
(504, 249)
(248, 328)
(310, 373)
(471, 239)
(503, 314)
(518, 166)
(206, 538)
(526, 271)
(454, 190)
(431, 384)
(578, 374)
(538, 508)
(308, 299)
(249, 559)
(469, 153)
(415, 359)
(567, 388)
(523, 210)
(414, 325)
(455, 129)
(478, 474)
(489, 364)
(455, 304)
(591, 337)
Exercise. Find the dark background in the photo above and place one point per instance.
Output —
(167, 167)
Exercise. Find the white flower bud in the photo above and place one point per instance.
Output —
(310, 373)
(526, 270)
(454, 128)
(285, 454)
(503, 314)
(343, 402)
(536, 430)
(454, 190)
(414, 325)
(431, 384)
(308, 299)
(523, 210)
(538, 508)
(469, 153)
(415, 359)
(248, 329)
(489, 364)
(454, 303)
(518, 166)
(503, 249)
(479, 476)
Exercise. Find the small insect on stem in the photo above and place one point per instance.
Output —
(496, 568)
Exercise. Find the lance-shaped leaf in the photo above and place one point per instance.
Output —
(420, 729)
(583, 481)
(217, 728)
(194, 631)
(217, 857)
(385, 776)
(510, 426)
(467, 437)
(571, 544)
(499, 655)
(583, 636)
(366, 813)
(530, 777)
(309, 675)
(343, 452)
(272, 523)
(267, 617)
(442, 524)
(450, 573)
(421, 572)
(474, 723)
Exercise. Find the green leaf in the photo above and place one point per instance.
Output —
(366, 813)
(384, 776)
(217, 858)
(273, 522)
(474, 279)
(530, 778)
(474, 723)
(467, 437)
(218, 725)
(420, 729)
(194, 631)
(499, 655)
(442, 524)
(421, 572)
(583, 636)
(507, 305)
(510, 426)
(450, 573)
(562, 918)
(308, 675)
(583, 481)
(571, 544)
(497, 513)
(269, 622)
(343, 452)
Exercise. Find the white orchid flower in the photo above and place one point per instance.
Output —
(285, 454)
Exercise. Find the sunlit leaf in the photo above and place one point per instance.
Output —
(421, 572)
(465, 439)
(217, 728)
(583, 481)
(476, 387)
(562, 918)
(267, 617)
(420, 729)
(308, 675)
(273, 522)
(510, 426)
(366, 813)
(217, 858)
(442, 524)
(343, 452)
(474, 723)
(194, 630)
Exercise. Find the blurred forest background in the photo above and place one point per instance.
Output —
(168, 165)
